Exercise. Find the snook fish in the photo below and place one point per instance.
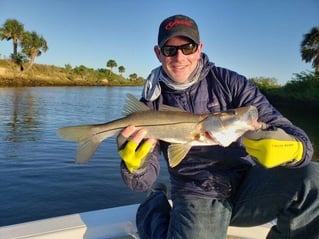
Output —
(182, 129)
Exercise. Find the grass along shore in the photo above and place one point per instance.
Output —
(49, 75)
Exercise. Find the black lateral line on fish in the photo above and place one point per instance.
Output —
(142, 125)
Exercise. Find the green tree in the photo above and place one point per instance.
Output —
(111, 64)
(68, 67)
(12, 30)
(81, 71)
(33, 45)
(20, 60)
(133, 76)
(264, 82)
(303, 86)
(310, 48)
(121, 70)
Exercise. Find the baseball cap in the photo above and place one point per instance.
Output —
(178, 25)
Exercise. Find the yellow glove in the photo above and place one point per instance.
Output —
(134, 151)
(273, 147)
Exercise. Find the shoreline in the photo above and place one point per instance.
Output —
(44, 81)
(49, 75)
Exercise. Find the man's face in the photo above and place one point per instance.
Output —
(180, 66)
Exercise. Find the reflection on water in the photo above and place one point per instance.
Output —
(22, 116)
(38, 176)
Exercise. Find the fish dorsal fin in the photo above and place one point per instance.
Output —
(170, 108)
(133, 105)
(177, 152)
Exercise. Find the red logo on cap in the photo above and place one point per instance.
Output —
(178, 22)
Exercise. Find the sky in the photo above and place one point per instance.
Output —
(256, 38)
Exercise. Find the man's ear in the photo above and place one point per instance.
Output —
(157, 52)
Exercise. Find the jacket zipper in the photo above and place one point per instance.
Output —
(189, 102)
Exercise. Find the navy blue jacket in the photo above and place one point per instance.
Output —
(212, 171)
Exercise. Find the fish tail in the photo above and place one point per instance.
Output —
(88, 139)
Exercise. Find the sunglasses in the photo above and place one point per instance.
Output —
(187, 49)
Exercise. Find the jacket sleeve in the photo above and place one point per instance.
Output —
(143, 179)
(246, 93)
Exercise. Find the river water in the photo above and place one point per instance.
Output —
(38, 176)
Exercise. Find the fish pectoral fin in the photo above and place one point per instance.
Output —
(177, 152)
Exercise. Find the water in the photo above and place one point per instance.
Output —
(38, 176)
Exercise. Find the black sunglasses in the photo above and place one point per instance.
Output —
(187, 49)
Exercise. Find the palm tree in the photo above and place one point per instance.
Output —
(12, 30)
(111, 64)
(33, 45)
(133, 76)
(310, 48)
(121, 70)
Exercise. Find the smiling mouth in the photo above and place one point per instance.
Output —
(178, 69)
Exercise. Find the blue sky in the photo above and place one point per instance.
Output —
(253, 37)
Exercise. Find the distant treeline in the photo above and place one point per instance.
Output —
(49, 75)
(303, 89)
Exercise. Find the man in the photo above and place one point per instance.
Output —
(265, 175)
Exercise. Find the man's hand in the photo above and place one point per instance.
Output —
(132, 148)
(273, 147)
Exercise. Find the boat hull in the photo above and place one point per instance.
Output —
(112, 223)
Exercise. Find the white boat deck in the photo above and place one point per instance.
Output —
(113, 223)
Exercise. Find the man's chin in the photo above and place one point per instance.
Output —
(179, 78)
